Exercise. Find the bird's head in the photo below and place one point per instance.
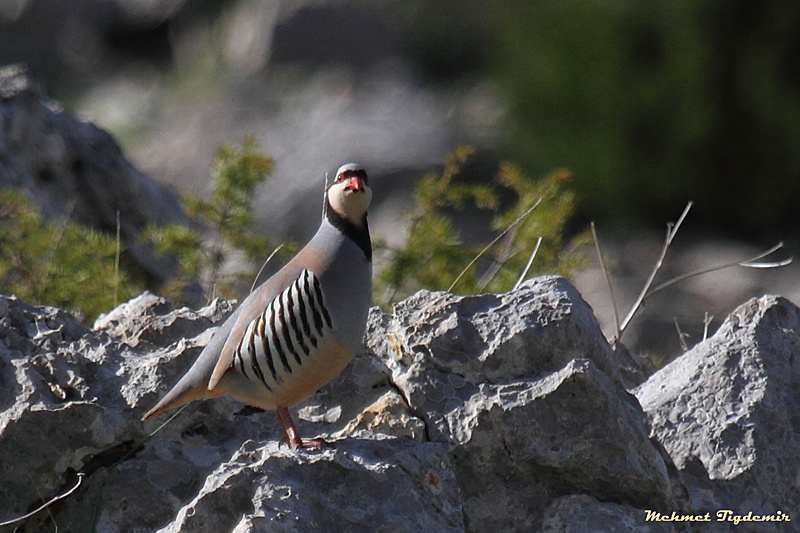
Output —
(349, 195)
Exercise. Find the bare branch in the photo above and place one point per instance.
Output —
(770, 264)
(706, 322)
(681, 335)
(680, 220)
(608, 281)
(752, 263)
(672, 230)
(747, 263)
(647, 291)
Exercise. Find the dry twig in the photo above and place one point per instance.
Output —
(672, 230)
(706, 323)
(681, 335)
(608, 282)
(45, 505)
(494, 241)
(647, 291)
(528, 265)
(260, 270)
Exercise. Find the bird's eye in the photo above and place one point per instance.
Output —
(339, 178)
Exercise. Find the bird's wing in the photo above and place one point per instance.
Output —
(252, 307)
(200, 380)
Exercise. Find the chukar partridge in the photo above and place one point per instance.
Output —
(300, 328)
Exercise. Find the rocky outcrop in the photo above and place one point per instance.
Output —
(728, 413)
(73, 169)
(525, 391)
(498, 412)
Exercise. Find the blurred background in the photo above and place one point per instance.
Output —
(649, 104)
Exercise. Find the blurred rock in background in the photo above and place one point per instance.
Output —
(74, 170)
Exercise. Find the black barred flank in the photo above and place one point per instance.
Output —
(288, 330)
(314, 304)
(259, 332)
(288, 310)
(298, 333)
(268, 356)
(318, 290)
(277, 332)
(302, 307)
(257, 370)
(238, 358)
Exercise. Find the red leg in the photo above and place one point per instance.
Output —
(292, 436)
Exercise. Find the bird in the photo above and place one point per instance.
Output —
(301, 327)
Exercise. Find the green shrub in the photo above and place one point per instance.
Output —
(58, 263)
(227, 216)
(67, 265)
(436, 257)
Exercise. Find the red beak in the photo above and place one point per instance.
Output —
(354, 183)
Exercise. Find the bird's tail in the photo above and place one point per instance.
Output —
(188, 389)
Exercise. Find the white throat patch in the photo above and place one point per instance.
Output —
(349, 204)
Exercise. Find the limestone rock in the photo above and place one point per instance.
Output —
(60, 400)
(368, 484)
(525, 389)
(584, 514)
(727, 412)
(495, 412)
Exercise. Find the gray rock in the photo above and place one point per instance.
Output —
(60, 400)
(151, 321)
(368, 484)
(571, 432)
(727, 413)
(439, 347)
(494, 412)
(73, 169)
(524, 388)
(584, 514)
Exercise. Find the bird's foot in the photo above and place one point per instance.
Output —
(292, 437)
(317, 443)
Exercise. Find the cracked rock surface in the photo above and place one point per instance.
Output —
(502, 412)
(728, 413)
